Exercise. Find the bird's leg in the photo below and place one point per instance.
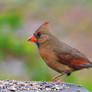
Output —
(64, 77)
(57, 77)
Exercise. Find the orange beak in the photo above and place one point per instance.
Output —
(32, 39)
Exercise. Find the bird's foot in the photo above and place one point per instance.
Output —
(57, 77)
(57, 81)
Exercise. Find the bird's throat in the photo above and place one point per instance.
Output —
(38, 45)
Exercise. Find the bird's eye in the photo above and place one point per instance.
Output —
(38, 34)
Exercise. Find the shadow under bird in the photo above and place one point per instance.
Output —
(58, 55)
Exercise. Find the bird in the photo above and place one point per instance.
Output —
(58, 55)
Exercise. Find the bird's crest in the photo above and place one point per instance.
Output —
(45, 23)
(43, 27)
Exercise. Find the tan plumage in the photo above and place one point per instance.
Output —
(58, 55)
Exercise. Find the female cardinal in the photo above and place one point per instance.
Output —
(58, 55)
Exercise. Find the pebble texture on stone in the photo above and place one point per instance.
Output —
(34, 86)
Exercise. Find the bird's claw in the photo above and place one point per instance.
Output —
(57, 81)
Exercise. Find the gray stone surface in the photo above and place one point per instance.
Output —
(42, 86)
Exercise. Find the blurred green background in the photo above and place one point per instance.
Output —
(70, 21)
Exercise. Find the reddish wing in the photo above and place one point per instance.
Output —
(73, 61)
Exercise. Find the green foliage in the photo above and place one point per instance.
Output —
(11, 19)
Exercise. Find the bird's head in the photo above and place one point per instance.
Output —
(41, 35)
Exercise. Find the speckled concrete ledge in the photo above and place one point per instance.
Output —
(34, 86)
